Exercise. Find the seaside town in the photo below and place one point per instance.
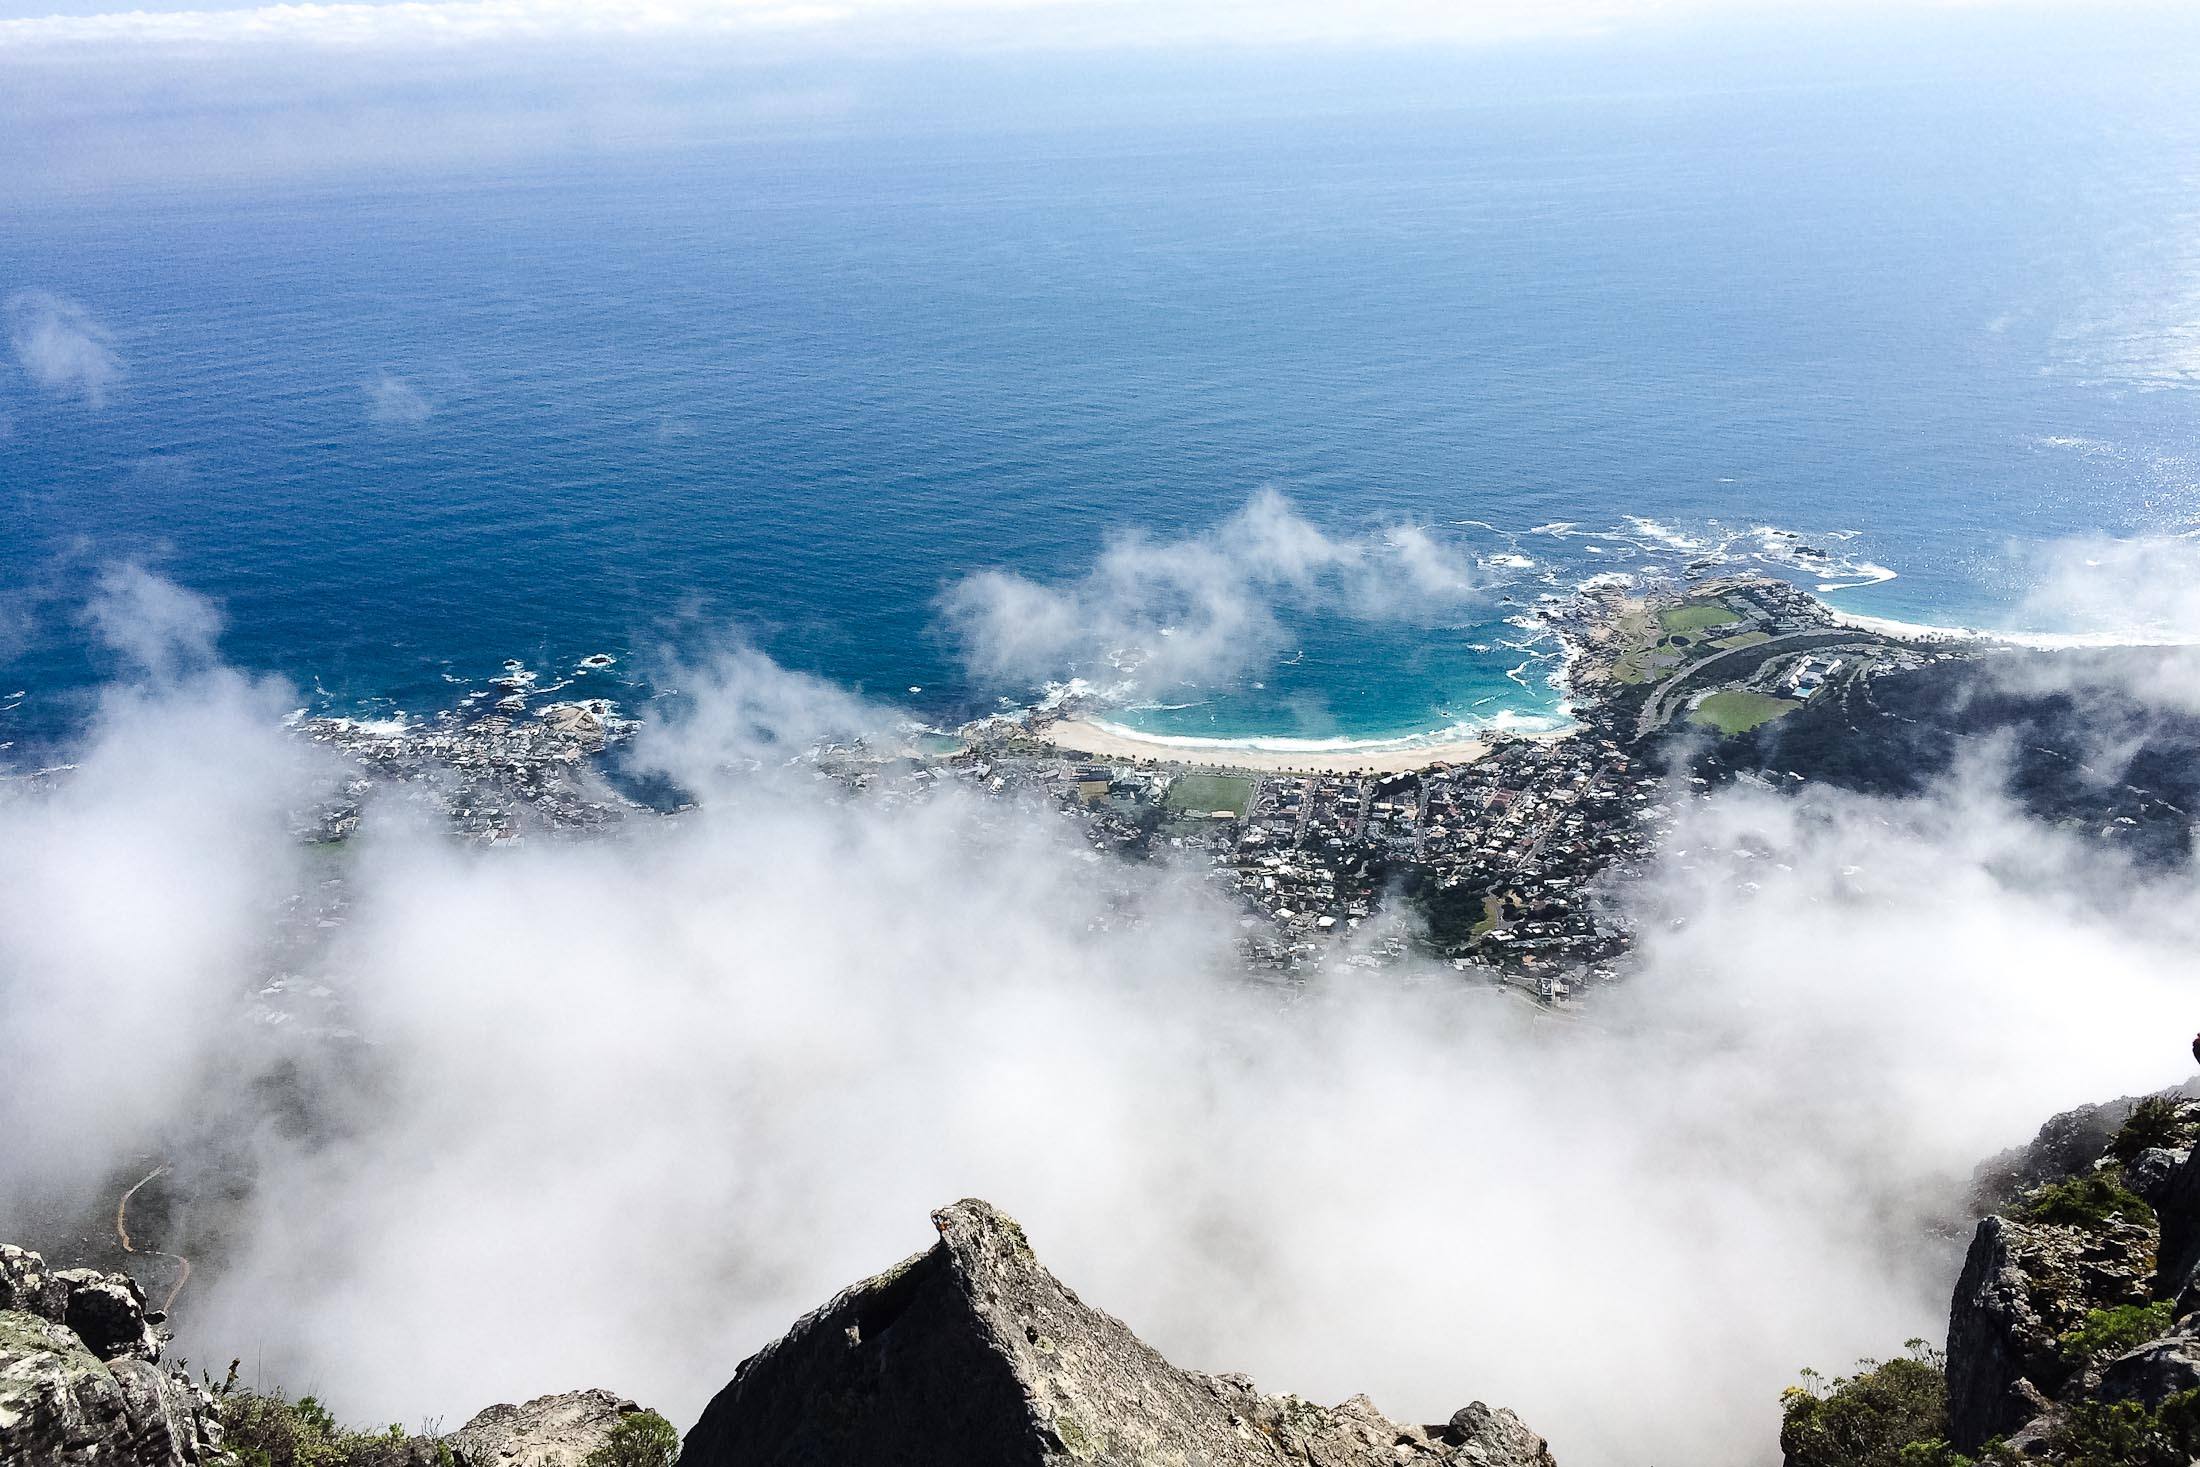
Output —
(1495, 854)
(1504, 853)
(497, 767)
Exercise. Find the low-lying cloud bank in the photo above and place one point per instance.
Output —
(617, 1111)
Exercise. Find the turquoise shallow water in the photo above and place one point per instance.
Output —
(795, 392)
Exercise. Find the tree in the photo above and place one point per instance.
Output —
(643, 1439)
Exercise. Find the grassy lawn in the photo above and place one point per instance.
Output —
(1743, 639)
(1202, 793)
(1733, 712)
(1653, 648)
(1696, 616)
(1638, 636)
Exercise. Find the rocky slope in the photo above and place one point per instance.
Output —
(2080, 1293)
(973, 1355)
(2074, 1330)
(81, 1379)
(82, 1385)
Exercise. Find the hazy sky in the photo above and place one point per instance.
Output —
(169, 93)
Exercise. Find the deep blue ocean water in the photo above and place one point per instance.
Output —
(796, 390)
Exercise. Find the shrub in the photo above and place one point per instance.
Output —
(643, 1439)
(2089, 1201)
(1869, 1419)
(2106, 1332)
(273, 1431)
(2127, 1434)
(2154, 1121)
(1935, 1453)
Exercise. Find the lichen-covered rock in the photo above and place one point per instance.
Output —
(81, 1384)
(2155, 1371)
(973, 1355)
(1495, 1437)
(27, 1285)
(549, 1431)
(62, 1406)
(2025, 1285)
(2152, 1172)
(107, 1311)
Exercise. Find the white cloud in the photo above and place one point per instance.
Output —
(2115, 590)
(617, 1111)
(61, 348)
(1203, 607)
(134, 895)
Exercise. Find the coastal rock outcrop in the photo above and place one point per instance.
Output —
(81, 1383)
(972, 1354)
(549, 1431)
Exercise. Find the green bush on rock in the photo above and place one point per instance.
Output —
(274, 1431)
(1868, 1419)
(2091, 1201)
(2107, 1332)
(643, 1439)
(2154, 1121)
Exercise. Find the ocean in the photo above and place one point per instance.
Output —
(405, 428)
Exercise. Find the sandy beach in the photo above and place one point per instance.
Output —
(1108, 741)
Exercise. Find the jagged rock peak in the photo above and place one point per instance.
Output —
(972, 1354)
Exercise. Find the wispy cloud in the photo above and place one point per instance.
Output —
(257, 92)
(445, 23)
(391, 400)
(158, 627)
(61, 348)
(1210, 605)
(2128, 589)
